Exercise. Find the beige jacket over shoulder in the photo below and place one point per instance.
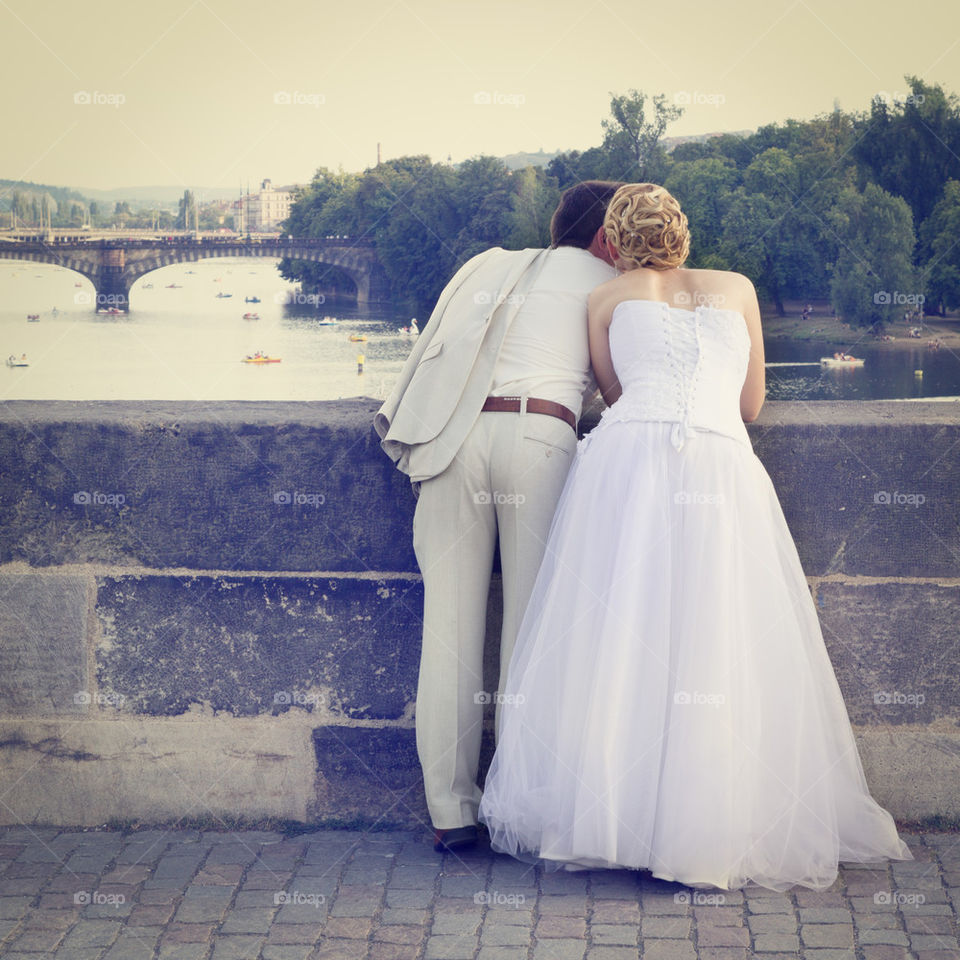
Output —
(443, 384)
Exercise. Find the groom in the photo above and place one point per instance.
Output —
(483, 419)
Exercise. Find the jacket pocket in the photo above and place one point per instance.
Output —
(431, 351)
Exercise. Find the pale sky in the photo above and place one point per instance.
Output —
(219, 92)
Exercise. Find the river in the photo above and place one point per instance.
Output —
(185, 343)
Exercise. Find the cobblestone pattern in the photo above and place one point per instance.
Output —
(338, 895)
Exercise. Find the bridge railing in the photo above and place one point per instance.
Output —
(219, 604)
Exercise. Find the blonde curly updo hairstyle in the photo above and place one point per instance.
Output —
(646, 227)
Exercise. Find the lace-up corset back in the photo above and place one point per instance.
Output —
(679, 365)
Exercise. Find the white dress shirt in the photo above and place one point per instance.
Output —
(546, 351)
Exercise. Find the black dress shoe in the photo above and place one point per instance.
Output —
(457, 838)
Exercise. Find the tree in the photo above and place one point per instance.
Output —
(704, 189)
(910, 146)
(874, 277)
(631, 148)
(185, 211)
(941, 261)
(631, 140)
(749, 241)
(573, 166)
(426, 219)
(535, 197)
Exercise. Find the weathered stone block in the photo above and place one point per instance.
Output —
(235, 485)
(867, 488)
(155, 769)
(43, 664)
(305, 486)
(347, 647)
(894, 649)
(369, 774)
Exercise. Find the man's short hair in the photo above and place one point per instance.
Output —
(580, 213)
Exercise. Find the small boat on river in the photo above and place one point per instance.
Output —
(842, 360)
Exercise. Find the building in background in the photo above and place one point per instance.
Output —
(263, 212)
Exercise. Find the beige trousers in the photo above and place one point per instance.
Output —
(504, 482)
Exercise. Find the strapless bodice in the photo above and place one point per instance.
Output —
(681, 366)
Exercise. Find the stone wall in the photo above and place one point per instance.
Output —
(213, 609)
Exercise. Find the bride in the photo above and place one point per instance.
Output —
(670, 704)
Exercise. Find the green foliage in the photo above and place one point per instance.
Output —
(941, 249)
(425, 218)
(807, 209)
(632, 140)
(184, 211)
(704, 188)
(909, 144)
(875, 263)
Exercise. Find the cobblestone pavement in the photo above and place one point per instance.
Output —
(187, 895)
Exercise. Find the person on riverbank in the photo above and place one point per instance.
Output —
(483, 419)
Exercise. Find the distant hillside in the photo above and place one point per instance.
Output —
(62, 195)
(165, 196)
(671, 142)
(517, 161)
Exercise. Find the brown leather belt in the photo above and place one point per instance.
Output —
(549, 407)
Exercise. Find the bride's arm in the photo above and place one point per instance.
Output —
(600, 310)
(754, 388)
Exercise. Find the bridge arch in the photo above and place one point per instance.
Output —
(113, 266)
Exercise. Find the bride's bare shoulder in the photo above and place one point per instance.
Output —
(606, 292)
(727, 277)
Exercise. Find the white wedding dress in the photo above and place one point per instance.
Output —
(670, 703)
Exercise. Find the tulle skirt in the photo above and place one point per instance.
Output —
(670, 703)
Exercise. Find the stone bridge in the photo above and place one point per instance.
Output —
(113, 266)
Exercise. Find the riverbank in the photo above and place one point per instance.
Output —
(823, 327)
